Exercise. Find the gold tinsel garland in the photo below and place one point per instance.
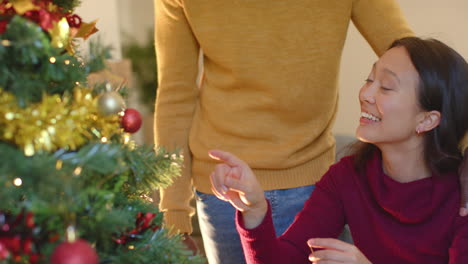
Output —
(57, 122)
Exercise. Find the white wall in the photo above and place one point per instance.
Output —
(135, 19)
(105, 12)
(444, 20)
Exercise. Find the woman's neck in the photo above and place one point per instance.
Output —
(404, 164)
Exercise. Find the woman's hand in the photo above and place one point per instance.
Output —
(331, 251)
(233, 181)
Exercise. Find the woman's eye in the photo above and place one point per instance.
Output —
(369, 80)
(385, 88)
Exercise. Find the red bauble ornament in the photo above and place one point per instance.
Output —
(74, 20)
(78, 252)
(4, 252)
(3, 26)
(131, 120)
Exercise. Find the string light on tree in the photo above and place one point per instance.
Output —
(6, 43)
(4, 252)
(17, 182)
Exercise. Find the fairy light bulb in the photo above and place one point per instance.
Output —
(18, 182)
(77, 171)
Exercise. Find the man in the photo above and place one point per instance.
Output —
(268, 93)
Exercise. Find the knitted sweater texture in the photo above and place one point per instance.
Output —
(268, 90)
(391, 222)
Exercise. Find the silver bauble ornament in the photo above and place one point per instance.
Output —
(110, 103)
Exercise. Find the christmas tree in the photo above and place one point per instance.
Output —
(74, 188)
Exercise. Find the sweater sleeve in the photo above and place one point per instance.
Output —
(458, 252)
(322, 216)
(177, 59)
(380, 22)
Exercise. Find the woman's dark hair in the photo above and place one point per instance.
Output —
(443, 86)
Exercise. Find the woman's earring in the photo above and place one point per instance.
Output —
(417, 131)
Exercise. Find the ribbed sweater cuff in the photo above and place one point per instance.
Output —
(271, 179)
(263, 228)
(178, 222)
(258, 243)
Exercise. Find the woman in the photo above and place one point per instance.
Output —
(398, 192)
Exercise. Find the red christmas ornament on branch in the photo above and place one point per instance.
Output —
(77, 252)
(17, 239)
(4, 252)
(143, 222)
(3, 25)
(74, 20)
(42, 17)
(74, 251)
(131, 120)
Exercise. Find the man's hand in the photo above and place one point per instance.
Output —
(190, 243)
(463, 171)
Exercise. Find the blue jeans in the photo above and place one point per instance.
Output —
(217, 226)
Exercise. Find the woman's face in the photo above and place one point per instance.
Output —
(390, 110)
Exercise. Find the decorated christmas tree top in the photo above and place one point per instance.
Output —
(73, 187)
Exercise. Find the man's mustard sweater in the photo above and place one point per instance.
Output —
(269, 87)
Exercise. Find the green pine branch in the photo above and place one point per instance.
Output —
(104, 196)
(101, 188)
(98, 54)
(95, 168)
(67, 5)
(26, 69)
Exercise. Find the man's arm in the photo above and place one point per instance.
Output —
(177, 59)
(380, 22)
